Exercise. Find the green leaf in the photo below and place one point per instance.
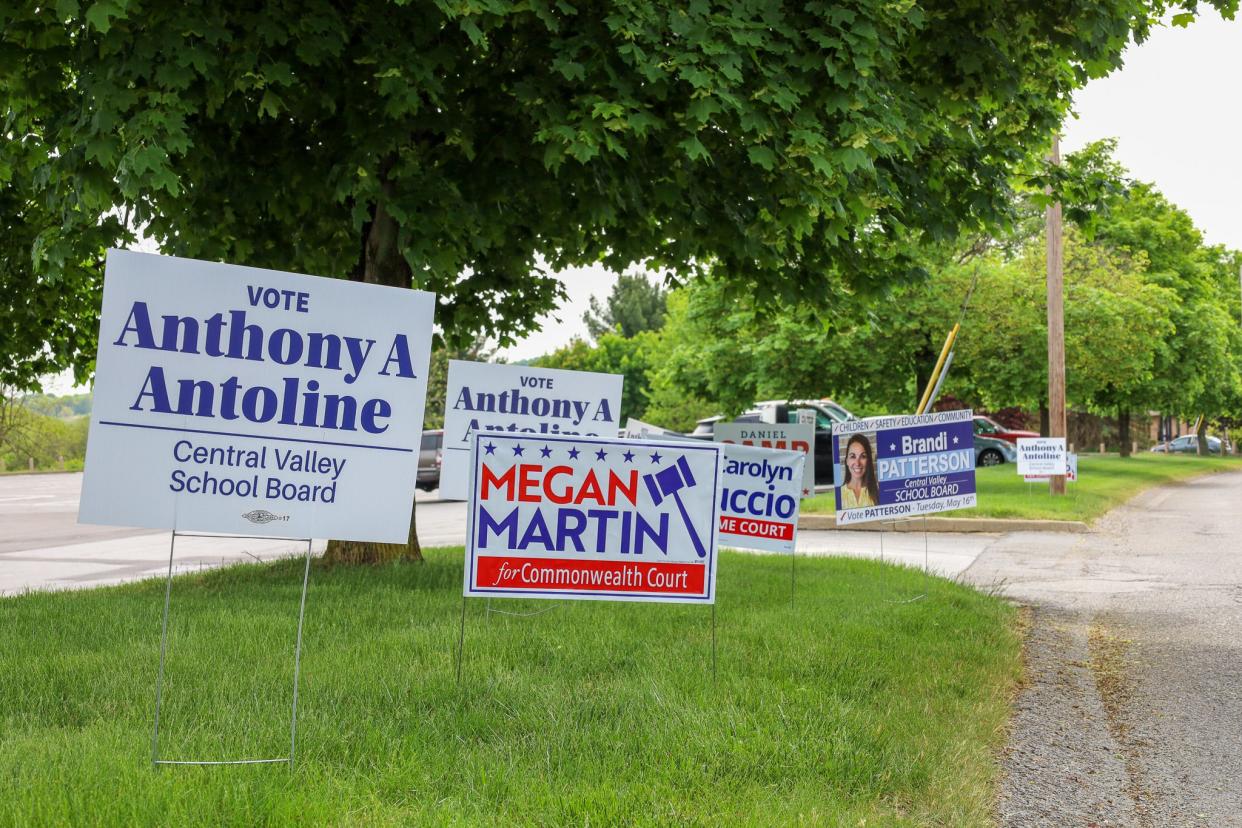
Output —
(270, 104)
(762, 156)
(702, 109)
(100, 14)
(569, 69)
(694, 148)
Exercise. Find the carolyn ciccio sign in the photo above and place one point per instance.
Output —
(760, 491)
(760, 498)
(520, 399)
(894, 467)
(590, 518)
(245, 401)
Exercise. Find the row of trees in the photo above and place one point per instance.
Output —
(29, 437)
(1152, 322)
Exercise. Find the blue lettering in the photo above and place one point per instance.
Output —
(158, 392)
(400, 354)
(645, 530)
(138, 322)
(571, 533)
(536, 532)
(509, 524)
(254, 410)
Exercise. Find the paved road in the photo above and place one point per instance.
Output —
(1132, 715)
(43, 547)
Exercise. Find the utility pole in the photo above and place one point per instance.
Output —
(1056, 323)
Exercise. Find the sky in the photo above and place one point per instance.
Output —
(1173, 109)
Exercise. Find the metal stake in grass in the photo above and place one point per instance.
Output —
(156, 761)
(461, 639)
(297, 659)
(793, 554)
(713, 640)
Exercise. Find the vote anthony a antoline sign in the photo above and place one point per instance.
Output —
(901, 466)
(520, 399)
(582, 517)
(245, 401)
(1041, 456)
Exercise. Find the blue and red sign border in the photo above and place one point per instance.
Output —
(709, 595)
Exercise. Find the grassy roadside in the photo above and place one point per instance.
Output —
(850, 707)
(1104, 482)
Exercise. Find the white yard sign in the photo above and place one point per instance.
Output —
(245, 401)
(760, 498)
(1071, 471)
(1041, 456)
(592, 518)
(520, 399)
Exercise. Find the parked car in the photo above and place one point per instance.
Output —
(1188, 444)
(430, 458)
(827, 414)
(987, 427)
(990, 451)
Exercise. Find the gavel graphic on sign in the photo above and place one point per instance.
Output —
(667, 483)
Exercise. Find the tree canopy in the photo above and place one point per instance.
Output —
(472, 149)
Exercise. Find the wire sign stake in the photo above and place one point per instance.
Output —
(156, 761)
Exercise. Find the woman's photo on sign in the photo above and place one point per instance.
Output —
(857, 484)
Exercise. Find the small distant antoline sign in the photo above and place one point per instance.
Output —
(1041, 456)
(520, 399)
(591, 518)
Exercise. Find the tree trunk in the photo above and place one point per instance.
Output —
(1043, 420)
(1201, 433)
(1123, 429)
(381, 263)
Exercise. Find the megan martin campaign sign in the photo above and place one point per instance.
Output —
(582, 517)
(520, 399)
(245, 401)
(893, 467)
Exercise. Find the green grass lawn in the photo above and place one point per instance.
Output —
(1104, 481)
(848, 707)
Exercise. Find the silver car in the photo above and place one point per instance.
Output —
(990, 451)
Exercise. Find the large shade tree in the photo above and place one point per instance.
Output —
(875, 358)
(473, 148)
